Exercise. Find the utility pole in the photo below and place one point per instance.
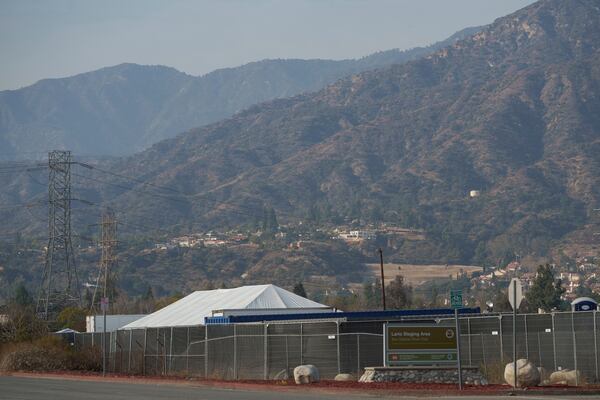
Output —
(108, 258)
(382, 278)
(108, 261)
(60, 285)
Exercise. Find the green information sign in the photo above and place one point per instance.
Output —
(456, 300)
(420, 344)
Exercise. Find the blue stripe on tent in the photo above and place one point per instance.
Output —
(350, 316)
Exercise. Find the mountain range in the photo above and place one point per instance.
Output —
(511, 111)
(126, 108)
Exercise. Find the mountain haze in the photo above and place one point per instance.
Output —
(126, 108)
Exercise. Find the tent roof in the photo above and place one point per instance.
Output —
(67, 330)
(192, 309)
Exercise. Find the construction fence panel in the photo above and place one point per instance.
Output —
(283, 350)
(196, 350)
(320, 347)
(221, 351)
(584, 354)
(135, 363)
(564, 341)
(250, 351)
(362, 346)
(178, 352)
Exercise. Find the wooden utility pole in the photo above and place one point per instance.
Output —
(382, 278)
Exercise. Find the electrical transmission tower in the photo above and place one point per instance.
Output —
(60, 286)
(108, 260)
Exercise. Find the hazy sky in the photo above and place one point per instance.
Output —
(47, 39)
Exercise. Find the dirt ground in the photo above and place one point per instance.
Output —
(419, 274)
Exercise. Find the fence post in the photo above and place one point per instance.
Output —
(157, 357)
(539, 350)
(526, 337)
(235, 372)
(206, 351)
(287, 358)
(265, 344)
(574, 347)
(129, 358)
(187, 352)
(171, 352)
(144, 352)
(501, 339)
(165, 353)
(358, 354)
(337, 324)
(470, 344)
(483, 353)
(301, 346)
(595, 345)
(554, 341)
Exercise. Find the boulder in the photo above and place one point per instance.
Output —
(306, 374)
(527, 374)
(368, 376)
(544, 376)
(567, 377)
(344, 377)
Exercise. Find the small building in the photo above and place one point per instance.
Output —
(584, 304)
(95, 323)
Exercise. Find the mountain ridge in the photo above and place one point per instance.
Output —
(120, 109)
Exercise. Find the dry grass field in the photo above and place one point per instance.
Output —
(419, 274)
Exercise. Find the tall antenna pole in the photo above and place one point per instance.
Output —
(60, 285)
(108, 260)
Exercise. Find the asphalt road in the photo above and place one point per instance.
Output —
(18, 388)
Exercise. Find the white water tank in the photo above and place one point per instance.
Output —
(474, 193)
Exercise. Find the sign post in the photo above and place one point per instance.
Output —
(515, 296)
(456, 302)
(104, 307)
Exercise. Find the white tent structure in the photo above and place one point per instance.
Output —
(192, 309)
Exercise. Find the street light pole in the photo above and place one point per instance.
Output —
(382, 278)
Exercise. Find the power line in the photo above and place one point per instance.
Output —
(193, 197)
(26, 205)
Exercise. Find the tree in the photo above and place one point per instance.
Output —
(22, 296)
(21, 324)
(299, 289)
(434, 297)
(149, 296)
(546, 291)
(398, 295)
(372, 295)
(269, 223)
(500, 301)
(72, 317)
(585, 291)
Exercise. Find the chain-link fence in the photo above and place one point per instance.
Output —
(271, 351)
(557, 341)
